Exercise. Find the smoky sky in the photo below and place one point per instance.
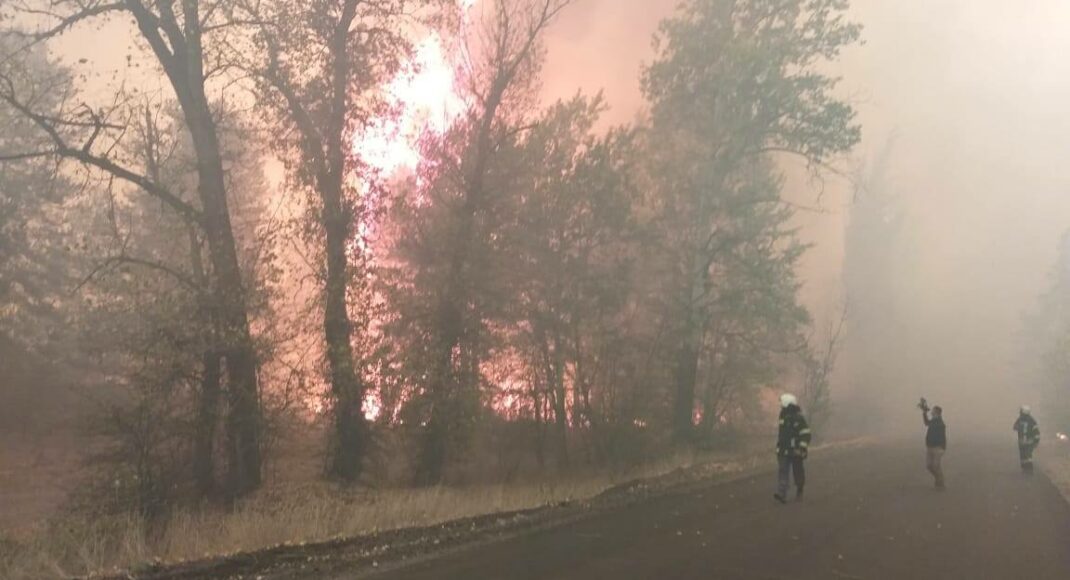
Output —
(977, 94)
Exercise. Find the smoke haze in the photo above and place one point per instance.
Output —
(283, 272)
(974, 93)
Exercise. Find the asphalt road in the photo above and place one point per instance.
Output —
(869, 514)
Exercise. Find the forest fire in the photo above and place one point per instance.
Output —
(507, 283)
(290, 271)
(425, 98)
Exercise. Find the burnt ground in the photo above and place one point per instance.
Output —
(869, 513)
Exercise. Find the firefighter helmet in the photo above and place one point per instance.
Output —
(787, 399)
(1026, 410)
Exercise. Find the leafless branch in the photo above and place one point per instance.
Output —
(7, 157)
(83, 154)
(64, 22)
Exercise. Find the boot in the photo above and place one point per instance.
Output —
(799, 493)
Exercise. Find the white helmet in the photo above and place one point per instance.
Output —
(1026, 410)
(787, 399)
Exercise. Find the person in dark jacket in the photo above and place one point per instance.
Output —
(1028, 438)
(935, 442)
(792, 447)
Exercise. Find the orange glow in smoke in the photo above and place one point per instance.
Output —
(372, 406)
(425, 94)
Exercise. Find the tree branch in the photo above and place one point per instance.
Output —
(183, 278)
(68, 21)
(85, 156)
(7, 157)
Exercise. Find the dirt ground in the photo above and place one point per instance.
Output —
(869, 514)
(36, 475)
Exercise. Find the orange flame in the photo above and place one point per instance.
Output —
(425, 93)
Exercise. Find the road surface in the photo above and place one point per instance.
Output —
(869, 514)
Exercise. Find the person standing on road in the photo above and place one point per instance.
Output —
(935, 442)
(792, 447)
(1028, 438)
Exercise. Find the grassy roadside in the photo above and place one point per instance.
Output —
(343, 557)
(314, 513)
(1054, 460)
(294, 514)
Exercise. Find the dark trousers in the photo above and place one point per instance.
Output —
(1025, 454)
(788, 467)
(933, 458)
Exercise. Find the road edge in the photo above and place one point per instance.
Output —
(373, 553)
(1055, 463)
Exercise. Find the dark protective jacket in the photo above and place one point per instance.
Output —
(936, 436)
(793, 437)
(1028, 430)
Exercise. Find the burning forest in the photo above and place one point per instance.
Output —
(282, 271)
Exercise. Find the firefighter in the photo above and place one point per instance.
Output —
(935, 442)
(1028, 438)
(793, 444)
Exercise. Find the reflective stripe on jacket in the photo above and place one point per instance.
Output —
(1028, 430)
(793, 437)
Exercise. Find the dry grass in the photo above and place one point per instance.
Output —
(297, 513)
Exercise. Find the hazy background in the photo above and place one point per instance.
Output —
(977, 93)
(939, 230)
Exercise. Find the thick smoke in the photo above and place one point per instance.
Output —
(974, 94)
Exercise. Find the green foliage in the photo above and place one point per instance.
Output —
(736, 85)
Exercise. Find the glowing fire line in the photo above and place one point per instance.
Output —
(425, 93)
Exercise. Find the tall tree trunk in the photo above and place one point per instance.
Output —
(449, 318)
(434, 445)
(685, 375)
(204, 442)
(350, 427)
(582, 387)
(557, 376)
(177, 44)
(207, 419)
(205, 424)
(433, 450)
(243, 395)
(204, 430)
(540, 436)
(693, 326)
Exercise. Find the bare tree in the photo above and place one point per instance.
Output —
(177, 36)
(819, 363)
(321, 68)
